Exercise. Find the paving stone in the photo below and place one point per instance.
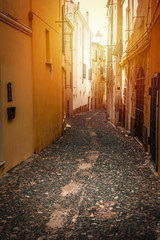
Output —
(94, 181)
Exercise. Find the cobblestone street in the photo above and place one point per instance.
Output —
(93, 183)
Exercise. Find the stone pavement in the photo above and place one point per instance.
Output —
(93, 183)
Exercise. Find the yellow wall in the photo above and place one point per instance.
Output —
(99, 90)
(17, 8)
(15, 64)
(98, 61)
(155, 48)
(50, 11)
(68, 68)
(48, 114)
(36, 78)
(135, 56)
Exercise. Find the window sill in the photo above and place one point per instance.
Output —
(2, 164)
(49, 63)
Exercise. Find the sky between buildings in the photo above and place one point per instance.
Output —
(97, 16)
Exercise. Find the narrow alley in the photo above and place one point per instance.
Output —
(95, 182)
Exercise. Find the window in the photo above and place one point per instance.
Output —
(96, 89)
(101, 53)
(101, 70)
(70, 80)
(90, 74)
(96, 55)
(65, 82)
(132, 8)
(84, 70)
(47, 46)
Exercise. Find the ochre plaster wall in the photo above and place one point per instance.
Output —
(17, 8)
(155, 67)
(47, 78)
(15, 64)
(68, 68)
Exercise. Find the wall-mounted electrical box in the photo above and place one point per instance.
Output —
(11, 111)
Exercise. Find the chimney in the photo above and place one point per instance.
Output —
(87, 17)
(78, 5)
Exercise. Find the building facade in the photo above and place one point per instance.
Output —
(99, 75)
(114, 52)
(46, 22)
(16, 90)
(139, 67)
(154, 83)
(68, 59)
(135, 68)
(82, 36)
(31, 82)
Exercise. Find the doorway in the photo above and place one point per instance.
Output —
(1, 156)
(88, 103)
(139, 121)
(67, 110)
(154, 118)
(95, 102)
(124, 105)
